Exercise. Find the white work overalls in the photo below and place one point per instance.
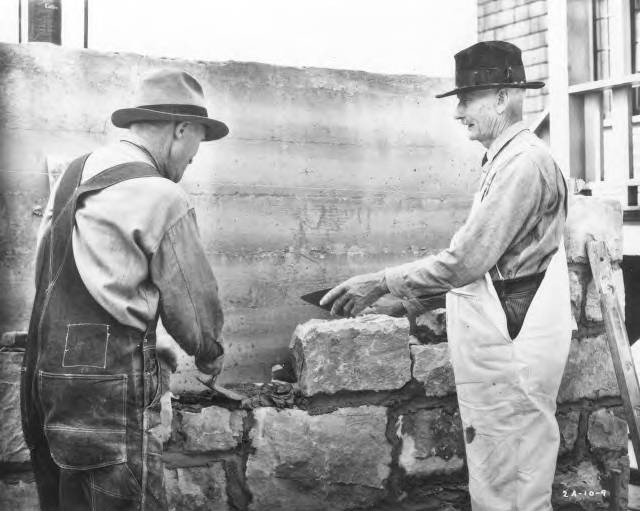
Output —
(507, 388)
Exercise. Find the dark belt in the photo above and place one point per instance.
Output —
(515, 296)
(519, 284)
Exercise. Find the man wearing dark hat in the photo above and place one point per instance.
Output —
(118, 248)
(506, 279)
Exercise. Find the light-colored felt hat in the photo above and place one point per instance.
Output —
(170, 95)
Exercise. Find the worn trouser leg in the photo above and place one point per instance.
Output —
(47, 474)
(45, 470)
(136, 484)
(120, 487)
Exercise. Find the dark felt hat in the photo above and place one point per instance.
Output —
(170, 95)
(490, 65)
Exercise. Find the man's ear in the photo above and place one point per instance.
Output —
(179, 129)
(502, 100)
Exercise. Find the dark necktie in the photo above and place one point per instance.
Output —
(484, 159)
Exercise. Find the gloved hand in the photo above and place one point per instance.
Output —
(389, 305)
(355, 294)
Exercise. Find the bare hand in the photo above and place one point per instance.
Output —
(167, 357)
(388, 305)
(213, 368)
(355, 294)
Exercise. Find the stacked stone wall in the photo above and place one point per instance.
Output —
(371, 421)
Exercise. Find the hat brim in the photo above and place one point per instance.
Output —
(524, 85)
(124, 117)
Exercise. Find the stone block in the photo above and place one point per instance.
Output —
(197, 488)
(606, 431)
(589, 371)
(12, 446)
(576, 288)
(19, 496)
(568, 423)
(163, 430)
(601, 218)
(432, 367)
(334, 461)
(364, 353)
(14, 339)
(431, 326)
(211, 429)
(432, 442)
(592, 310)
(579, 486)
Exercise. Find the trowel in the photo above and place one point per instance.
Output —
(314, 298)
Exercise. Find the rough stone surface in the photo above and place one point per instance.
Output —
(432, 442)
(431, 326)
(432, 367)
(606, 431)
(335, 461)
(568, 424)
(212, 429)
(19, 496)
(589, 371)
(576, 287)
(616, 474)
(592, 310)
(572, 485)
(366, 353)
(601, 218)
(197, 488)
(12, 446)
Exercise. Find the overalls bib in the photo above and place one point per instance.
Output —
(90, 385)
(507, 388)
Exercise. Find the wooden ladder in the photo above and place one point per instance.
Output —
(613, 316)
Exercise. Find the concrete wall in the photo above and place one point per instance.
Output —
(523, 23)
(325, 174)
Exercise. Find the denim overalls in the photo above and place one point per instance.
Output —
(90, 385)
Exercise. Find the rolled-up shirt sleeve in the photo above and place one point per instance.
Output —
(189, 303)
(514, 196)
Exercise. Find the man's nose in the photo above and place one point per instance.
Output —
(458, 113)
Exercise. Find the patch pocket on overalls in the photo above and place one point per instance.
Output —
(85, 418)
(86, 345)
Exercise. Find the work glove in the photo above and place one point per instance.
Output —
(356, 294)
(388, 305)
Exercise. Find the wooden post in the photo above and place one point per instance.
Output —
(559, 124)
(593, 140)
(86, 23)
(621, 136)
(621, 65)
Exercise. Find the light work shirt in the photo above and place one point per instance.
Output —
(138, 250)
(514, 231)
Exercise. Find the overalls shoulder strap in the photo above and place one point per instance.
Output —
(69, 192)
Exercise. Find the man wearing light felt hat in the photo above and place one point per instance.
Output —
(118, 248)
(507, 290)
